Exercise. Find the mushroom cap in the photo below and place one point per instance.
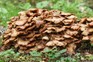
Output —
(36, 29)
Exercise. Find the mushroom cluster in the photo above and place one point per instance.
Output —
(36, 29)
(86, 25)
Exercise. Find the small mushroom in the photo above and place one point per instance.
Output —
(67, 21)
(22, 42)
(85, 38)
(83, 20)
(75, 27)
(61, 44)
(60, 29)
(85, 32)
(20, 22)
(14, 33)
(45, 38)
(72, 17)
(89, 19)
(65, 14)
(91, 24)
(67, 36)
(50, 43)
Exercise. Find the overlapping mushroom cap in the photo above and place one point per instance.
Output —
(36, 29)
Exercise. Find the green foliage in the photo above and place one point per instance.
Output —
(59, 53)
(5, 56)
(9, 9)
(35, 53)
(89, 57)
(24, 6)
(75, 7)
(42, 4)
(0, 40)
(53, 55)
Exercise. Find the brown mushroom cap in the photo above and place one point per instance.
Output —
(36, 29)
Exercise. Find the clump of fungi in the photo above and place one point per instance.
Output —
(36, 29)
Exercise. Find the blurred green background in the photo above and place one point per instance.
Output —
(9, 8)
